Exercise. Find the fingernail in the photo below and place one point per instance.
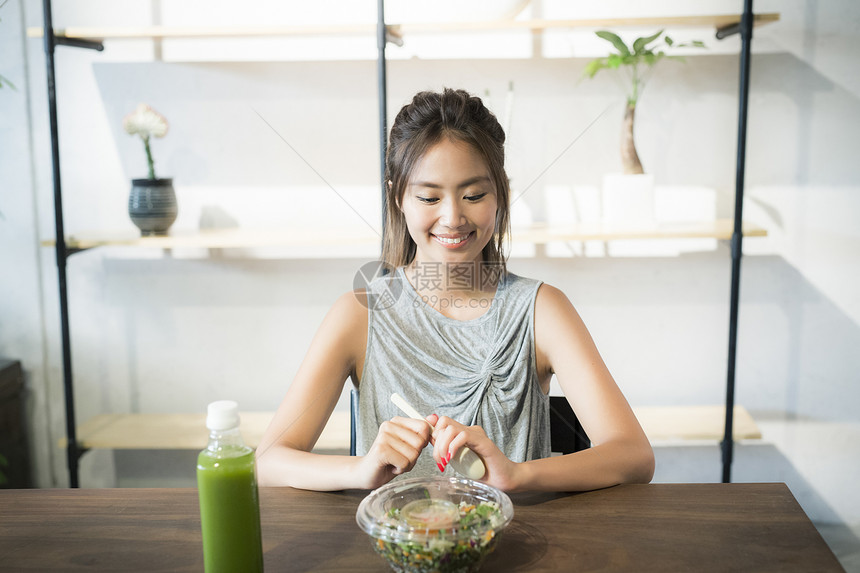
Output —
(448, 459)
(441, 469)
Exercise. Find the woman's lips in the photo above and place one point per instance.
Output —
(454, 241)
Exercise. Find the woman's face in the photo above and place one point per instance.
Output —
(450, 204)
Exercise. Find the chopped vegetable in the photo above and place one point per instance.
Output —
(447, 544)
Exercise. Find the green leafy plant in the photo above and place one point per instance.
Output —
(635, 62)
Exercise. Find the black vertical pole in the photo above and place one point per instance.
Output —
(72, 453)
(737, 237)
(383, 98)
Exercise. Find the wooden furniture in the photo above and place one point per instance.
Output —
(188, 431)
(539, 233)
(91, 33)
(657, 527)
(91, 38)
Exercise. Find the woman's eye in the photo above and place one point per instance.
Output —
(477, 197)
(428, 200)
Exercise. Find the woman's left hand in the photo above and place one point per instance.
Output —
(449, 436)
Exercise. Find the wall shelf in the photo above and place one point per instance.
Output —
(716, 229)
(535, 234)
(234, 238)
(188, 431)
(716, 21)
(92, 37)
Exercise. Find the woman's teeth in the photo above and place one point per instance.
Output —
(452, 241)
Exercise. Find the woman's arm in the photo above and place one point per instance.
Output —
(284, 455)
(620, 451)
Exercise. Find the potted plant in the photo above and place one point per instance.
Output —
(636, 61)
(631, 196)
(152, 202)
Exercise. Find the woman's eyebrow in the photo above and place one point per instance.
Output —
(468, 182)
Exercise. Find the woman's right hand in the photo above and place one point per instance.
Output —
(395, 451)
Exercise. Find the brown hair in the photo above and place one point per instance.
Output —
(419, 125)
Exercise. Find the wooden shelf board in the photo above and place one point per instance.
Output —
(188, 431)
(711, 20)
(717, 229)
(130, 32)
(667, 423)
(162, 32)
(219, 239)
(537, 234)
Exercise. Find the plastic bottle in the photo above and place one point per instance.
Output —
(229, 505)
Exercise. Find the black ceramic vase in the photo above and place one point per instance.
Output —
(152, 205)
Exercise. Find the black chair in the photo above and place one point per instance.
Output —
(565, 431)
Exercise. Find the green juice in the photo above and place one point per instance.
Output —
(229, 510)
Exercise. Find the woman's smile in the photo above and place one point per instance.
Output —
(450, 204)
(454, 241)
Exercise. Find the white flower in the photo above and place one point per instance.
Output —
(145, 122)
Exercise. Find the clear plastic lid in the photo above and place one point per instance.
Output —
(439, 509)
(222, 415)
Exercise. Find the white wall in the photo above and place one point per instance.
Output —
(22, 314)
(158, 334)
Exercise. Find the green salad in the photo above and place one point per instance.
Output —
(445, 537)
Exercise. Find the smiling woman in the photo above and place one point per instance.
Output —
(450, 203)
(445, 141)
(461, 336)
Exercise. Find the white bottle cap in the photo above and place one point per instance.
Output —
(222, 415)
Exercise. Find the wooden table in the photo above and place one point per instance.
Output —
(658, 527)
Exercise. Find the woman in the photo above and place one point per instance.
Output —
(451, 330)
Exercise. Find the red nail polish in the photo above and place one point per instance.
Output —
(448, 459)
(441, 469)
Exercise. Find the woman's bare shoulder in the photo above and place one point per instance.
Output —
(349, 312)
(556, 320)
(551, 300)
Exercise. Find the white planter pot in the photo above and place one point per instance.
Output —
(628, 199)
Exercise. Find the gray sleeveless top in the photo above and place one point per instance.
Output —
(479, 372)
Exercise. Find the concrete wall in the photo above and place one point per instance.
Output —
(158, 333)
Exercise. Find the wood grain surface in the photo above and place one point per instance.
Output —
(658, 527)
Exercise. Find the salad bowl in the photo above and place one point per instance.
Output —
(439, 524)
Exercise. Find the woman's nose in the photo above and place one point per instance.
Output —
(452, 214)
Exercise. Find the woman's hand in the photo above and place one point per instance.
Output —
(394, 451)
(450, 436)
